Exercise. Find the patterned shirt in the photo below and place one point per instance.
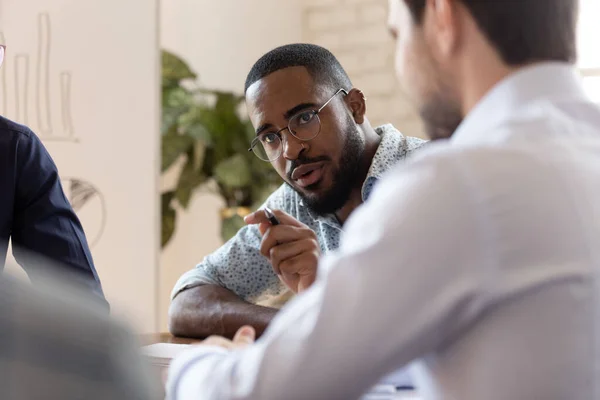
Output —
(239, 266)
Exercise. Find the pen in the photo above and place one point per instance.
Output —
(272, 218)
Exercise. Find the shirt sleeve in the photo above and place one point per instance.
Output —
(401, 284)
(238, 265)
(45, 227)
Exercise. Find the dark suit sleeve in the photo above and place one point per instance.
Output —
(45, 226)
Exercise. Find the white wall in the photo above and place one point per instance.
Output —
(221, 40)
(98, 116)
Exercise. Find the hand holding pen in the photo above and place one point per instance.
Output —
(291, 247)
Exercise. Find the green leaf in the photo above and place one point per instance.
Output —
(233, 172)
(174, 68)
(177, 97)
(189, 180)
(206, 126)
(168, 220)
(198, 156)
(175, 103)
(173, 146)
(190, 123)
(228, 130)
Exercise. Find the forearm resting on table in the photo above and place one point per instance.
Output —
(213, 310)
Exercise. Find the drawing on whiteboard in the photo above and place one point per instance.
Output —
(44, 122)
(44, 118)
(65, 100)
(89, 205)
(21, 87)
(3, 82)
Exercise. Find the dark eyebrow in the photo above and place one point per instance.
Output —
(293, 111)
(288, 114)
(263, 128)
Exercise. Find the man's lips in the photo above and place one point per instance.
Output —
(305, 169)
(308, 174)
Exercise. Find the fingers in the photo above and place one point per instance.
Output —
(302, 264)
(245, 336)
(218, 341)
(298, 273)
(282, 252)
(305, 282)
(256, 217)
(280, 234)
(263, 227)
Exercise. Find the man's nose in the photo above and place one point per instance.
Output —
(292, 146)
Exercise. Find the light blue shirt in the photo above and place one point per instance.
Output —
(239, 266)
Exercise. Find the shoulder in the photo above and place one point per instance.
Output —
(393, 148)
(456, 173)
(394, 142)
(18, 137)
(435, 166)
(11, 129)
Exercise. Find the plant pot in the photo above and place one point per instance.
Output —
(232, 219)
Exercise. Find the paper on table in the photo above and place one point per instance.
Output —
(163, 353)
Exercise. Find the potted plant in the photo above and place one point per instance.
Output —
(204, 129)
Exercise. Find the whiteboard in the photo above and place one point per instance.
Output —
(84, 75)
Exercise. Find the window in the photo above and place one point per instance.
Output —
(589, 47)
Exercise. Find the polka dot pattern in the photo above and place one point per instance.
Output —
(239, 266)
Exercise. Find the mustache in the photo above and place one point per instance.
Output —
(301, 160)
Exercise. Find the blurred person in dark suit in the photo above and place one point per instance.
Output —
(34, 211)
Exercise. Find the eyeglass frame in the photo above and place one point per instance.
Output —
(255, 141)
(3, 46)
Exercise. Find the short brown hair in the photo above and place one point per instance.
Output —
(522, 31)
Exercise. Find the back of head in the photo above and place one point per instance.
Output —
(450, 52)
(322, 65)
(522, 31)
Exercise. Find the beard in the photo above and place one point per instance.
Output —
(441, 115)
(345, 176)
(432, 88)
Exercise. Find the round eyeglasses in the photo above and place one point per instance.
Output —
(304, 126)
(2, 52)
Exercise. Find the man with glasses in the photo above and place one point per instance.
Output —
(35, 213)
(311, 125)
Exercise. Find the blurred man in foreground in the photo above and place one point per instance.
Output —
(479, 258)
(57, 343)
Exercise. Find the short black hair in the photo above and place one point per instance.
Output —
(321, 64)
(522, 31)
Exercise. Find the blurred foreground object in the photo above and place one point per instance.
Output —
(57, 342)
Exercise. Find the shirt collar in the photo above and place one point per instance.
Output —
(545, 81)
(388, 152)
